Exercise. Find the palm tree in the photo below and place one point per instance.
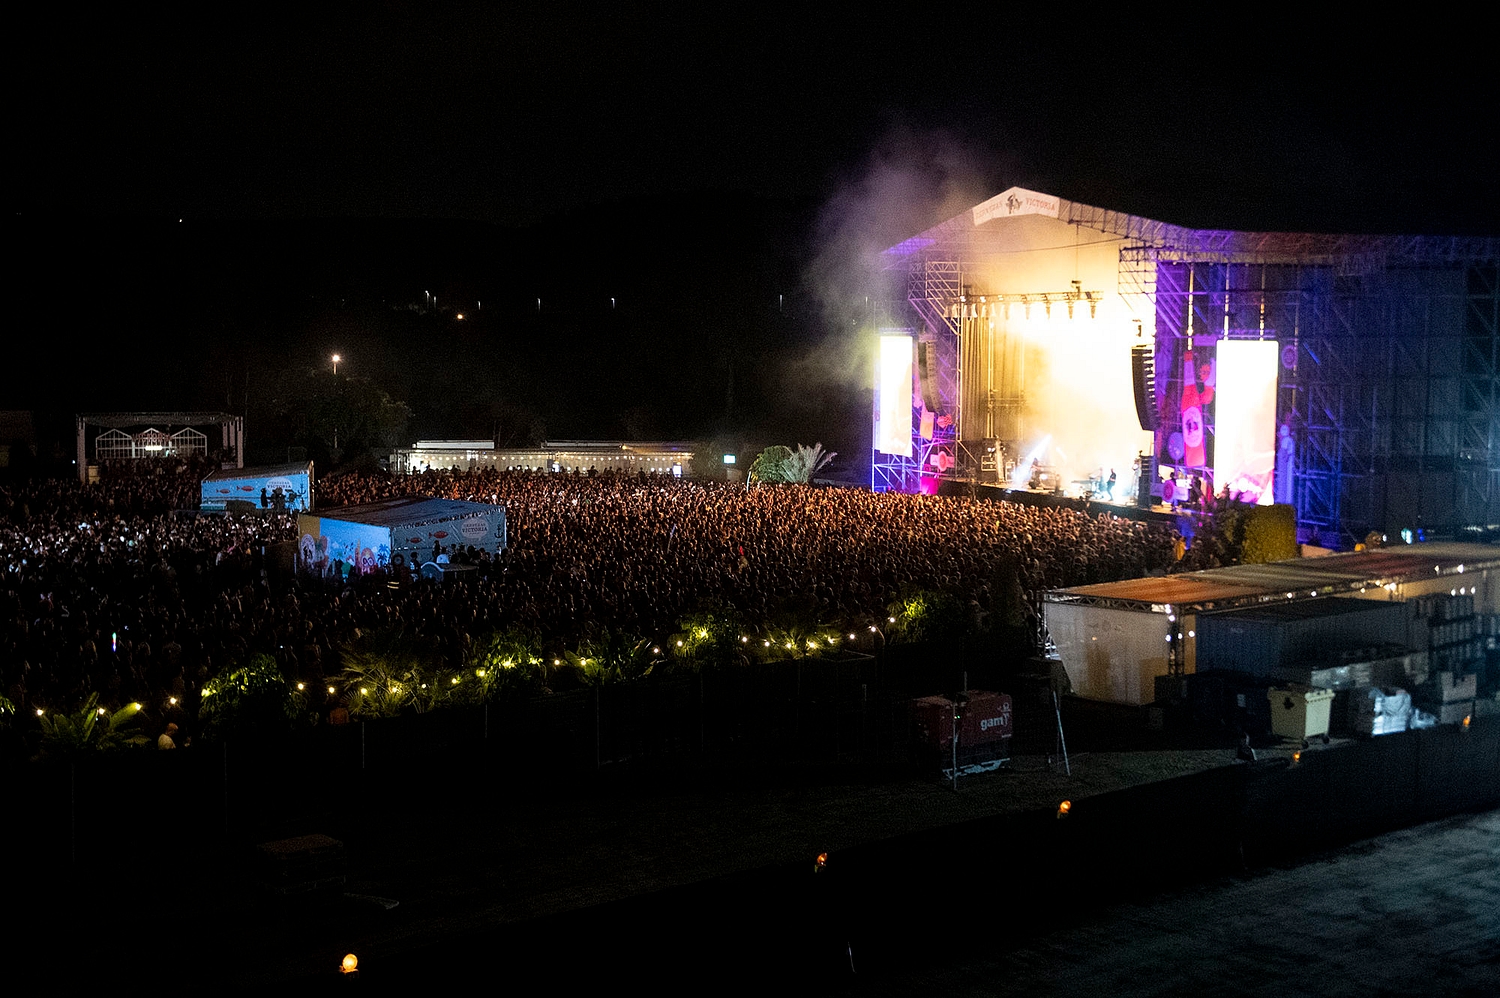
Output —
(805, 462)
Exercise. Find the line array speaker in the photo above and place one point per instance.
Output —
(1143, 378)
(927, 365)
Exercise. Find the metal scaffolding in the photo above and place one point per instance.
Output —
(1387, 383)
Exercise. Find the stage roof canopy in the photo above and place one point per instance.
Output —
(973, 233)
(1301, 578)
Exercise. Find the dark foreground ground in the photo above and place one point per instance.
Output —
(706, 884)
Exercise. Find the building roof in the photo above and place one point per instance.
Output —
(128, 419)
(409, 511)
(260, 471)
(1298, 579)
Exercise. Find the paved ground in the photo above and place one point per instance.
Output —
(704, 884)
(1412, 912)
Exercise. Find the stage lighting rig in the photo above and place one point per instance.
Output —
(988, 306)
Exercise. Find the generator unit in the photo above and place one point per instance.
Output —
(984, 730)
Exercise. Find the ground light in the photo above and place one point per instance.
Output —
(349, 964)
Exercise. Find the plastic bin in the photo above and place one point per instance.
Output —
(1300, 712)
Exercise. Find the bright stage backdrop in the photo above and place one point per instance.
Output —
(1245, 431)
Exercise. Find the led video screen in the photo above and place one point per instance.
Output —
(1245, 430)
(893, 396)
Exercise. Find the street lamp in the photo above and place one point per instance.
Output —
(336, 359)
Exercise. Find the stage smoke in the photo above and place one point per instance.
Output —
(911, 181)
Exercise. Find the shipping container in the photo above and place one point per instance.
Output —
(1259, 640)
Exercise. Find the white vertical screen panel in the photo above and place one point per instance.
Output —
(1245, 418)
(1111, 655)
(893, 391)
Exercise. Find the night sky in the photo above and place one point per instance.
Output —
(717, 174)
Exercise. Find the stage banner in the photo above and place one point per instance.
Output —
(1197, 406)
(894, 396)
(1017, 201)
(1245, 428)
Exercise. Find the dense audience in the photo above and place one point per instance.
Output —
(118, 588)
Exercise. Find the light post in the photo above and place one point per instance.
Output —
(336, 359)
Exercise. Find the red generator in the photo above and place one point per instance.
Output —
(984, 730)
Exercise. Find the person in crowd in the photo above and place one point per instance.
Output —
(106, 590)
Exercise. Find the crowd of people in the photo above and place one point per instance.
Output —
(119, 588)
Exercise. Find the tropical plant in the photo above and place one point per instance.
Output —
(919, 615)
(709, 637)
(506, 662)
(796, 640)
(770, 465)
(613, 657)
(388, 670)
(91, 728)
(805, 462)
(253, 697)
